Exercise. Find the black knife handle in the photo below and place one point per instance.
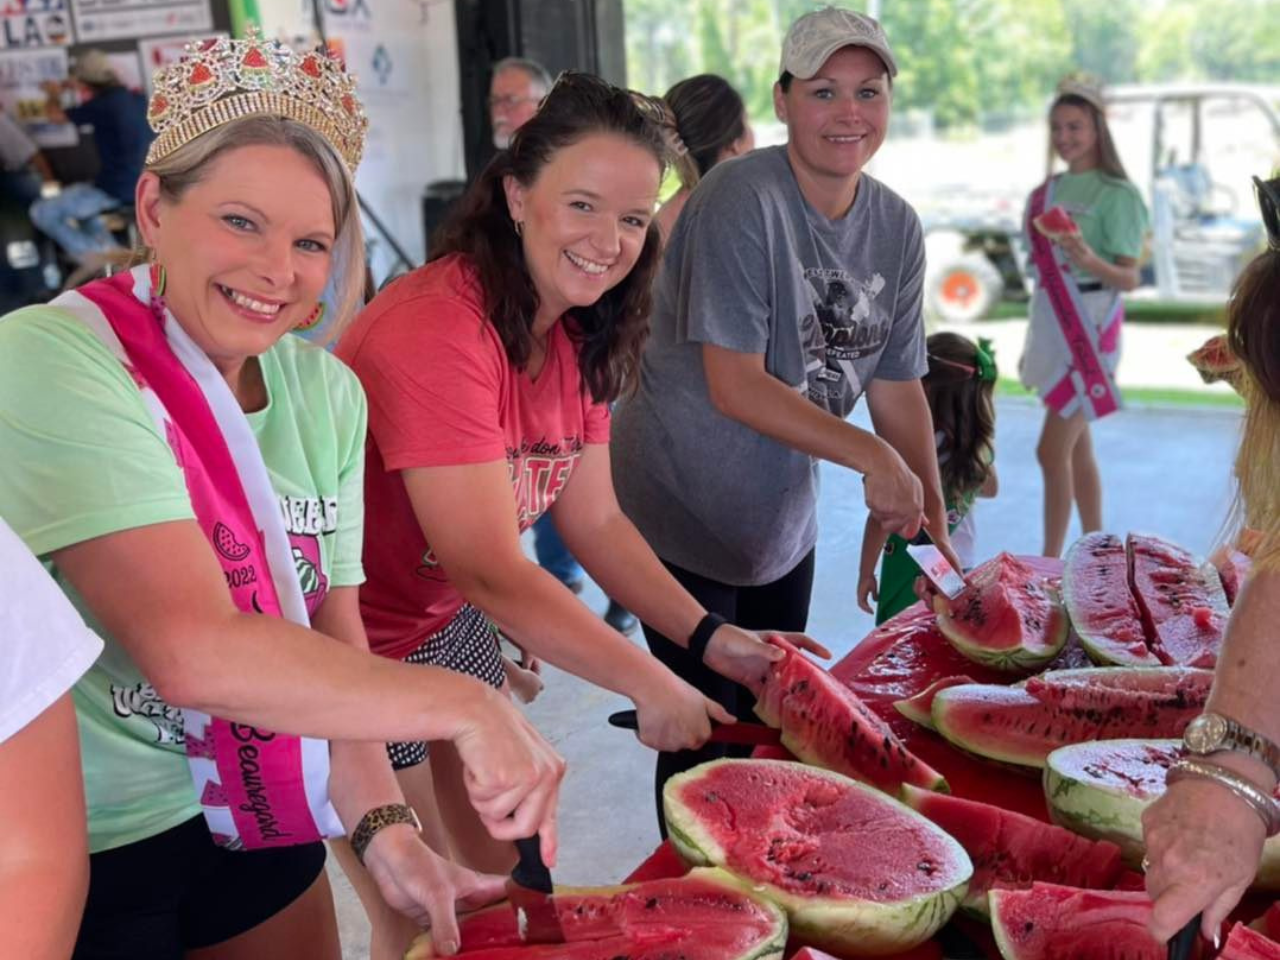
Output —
(1184, 941)
(531, 872)
(625, 720)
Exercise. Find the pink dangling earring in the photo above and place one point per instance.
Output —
(312, 319)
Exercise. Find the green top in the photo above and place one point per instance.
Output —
(1110, 213)
(83, 458)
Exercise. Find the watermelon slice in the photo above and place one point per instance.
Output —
(1245, 944)
(1008, 617)
(1215, 362)
(1024, 723)
(824, 723)
(1099, 790)
(1233, 568)
(1184, 608)
(1049, 922)
(1011, 851)
(704, 916)
(1055, 223)
(919, 708)
(1095, 590)
(854, 868)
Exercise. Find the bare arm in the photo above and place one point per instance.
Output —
(741, 389)
(160, 592)
(1122, 275)
(990, 486)
(900, 412)
(873, 541)
(44, 860)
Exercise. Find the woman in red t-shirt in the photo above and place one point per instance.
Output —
(489, 372)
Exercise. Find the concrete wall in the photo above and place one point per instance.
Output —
(405, 54)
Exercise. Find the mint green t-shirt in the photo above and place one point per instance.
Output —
(1110, 213)
(83, 458)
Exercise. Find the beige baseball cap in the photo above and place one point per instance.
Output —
(816, 36)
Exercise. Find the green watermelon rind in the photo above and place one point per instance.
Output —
(1020, 659)
(773, 948)
(869, 928)
(1101, 650)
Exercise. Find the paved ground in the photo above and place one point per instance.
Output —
(1165, 470)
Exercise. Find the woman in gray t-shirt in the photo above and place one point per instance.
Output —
(773, 313)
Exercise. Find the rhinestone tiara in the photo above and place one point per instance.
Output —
(218, 81)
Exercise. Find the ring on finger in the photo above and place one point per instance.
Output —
(1146, 864)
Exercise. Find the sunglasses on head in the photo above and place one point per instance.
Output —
(1267, 193)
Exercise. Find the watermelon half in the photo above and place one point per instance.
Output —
(704, 916)
(1055, 223)
(1008, 617)
(824, 723)
(1050, 922)
(856, 870)
(1012, 851)
(1099, 790)
(1245, 944)
(1024, 723)
(1184, 608)
(1103, 611)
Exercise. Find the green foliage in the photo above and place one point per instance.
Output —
(967, 59)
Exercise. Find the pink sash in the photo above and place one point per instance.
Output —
(257, 788)
(1083, 382)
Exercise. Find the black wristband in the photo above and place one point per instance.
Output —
(701, 635)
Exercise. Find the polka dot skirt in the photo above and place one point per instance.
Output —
(467, 644)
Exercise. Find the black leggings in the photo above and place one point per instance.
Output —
(780, 605)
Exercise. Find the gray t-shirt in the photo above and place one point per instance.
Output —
(831, 304)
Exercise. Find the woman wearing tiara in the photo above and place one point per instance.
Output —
(192, 477)
(1073, 337)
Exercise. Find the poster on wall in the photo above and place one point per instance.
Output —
(98, 20)
(21, 73)
(156, 52)
(27, 24)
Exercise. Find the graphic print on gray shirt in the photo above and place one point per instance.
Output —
(831, 304)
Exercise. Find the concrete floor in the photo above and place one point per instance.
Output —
(1164, 470)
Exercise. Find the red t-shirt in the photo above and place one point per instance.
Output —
(442, 392)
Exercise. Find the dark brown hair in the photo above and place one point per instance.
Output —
(1253, 322)
(1108, 156)
(710, 116)
(963, 412)
(611, 332)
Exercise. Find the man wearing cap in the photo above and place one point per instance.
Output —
(791, 286)
(120, 130)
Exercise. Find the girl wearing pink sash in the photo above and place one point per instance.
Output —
(193, 479)
(1073, 337)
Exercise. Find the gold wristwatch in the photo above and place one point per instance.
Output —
(377, 818)
(1213, 733)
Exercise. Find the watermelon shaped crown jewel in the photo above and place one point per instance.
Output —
(221, 80)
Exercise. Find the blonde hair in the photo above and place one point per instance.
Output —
(183, 168)
(1108, 156)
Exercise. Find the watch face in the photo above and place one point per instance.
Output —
(1205, 733)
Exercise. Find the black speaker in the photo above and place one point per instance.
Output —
(560, 34)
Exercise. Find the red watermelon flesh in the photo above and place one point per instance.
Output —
(1023, 724)
(1095, 590)
(1051, 922)
(919, 709)
(1055, 223)
(1012, 851)
(1233, 569)
(1184, 608)
(1008, 617)
(824, 723)
(1245, 944)
(703, 916)
(1214, 360)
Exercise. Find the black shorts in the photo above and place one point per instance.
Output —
(466, 644)
(177, 891)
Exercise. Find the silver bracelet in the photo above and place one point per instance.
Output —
(1263, 805)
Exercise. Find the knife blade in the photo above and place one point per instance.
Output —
(743, 731)
(934, 565)
(1184, 941)
(530, 891)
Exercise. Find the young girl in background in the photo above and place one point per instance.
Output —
(959, 385)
